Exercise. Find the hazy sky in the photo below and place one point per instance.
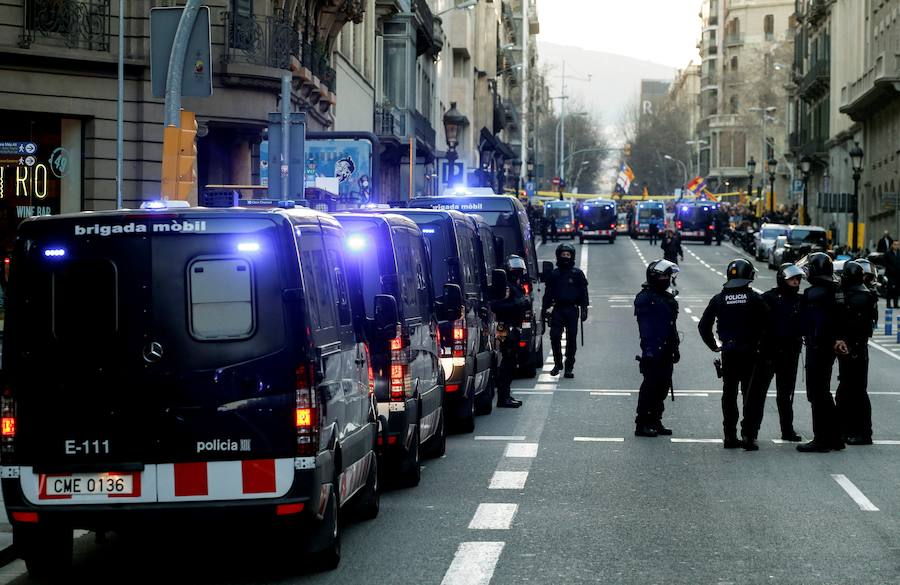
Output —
(662, 31)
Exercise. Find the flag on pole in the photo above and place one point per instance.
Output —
(626, 176)
(697, 185)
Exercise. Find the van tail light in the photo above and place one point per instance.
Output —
(678, 224)
(526, 288)
(612, 226)
(581, 225)
(401, 381)
(371, 370)
(460, 336)
(7, 426)
(711, 227)
(307, 411)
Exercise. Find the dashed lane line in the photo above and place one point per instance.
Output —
(508, 480)
(688, 310)
(499, 437)
(695, 318)
(684, 440)
(528, 450)
(534, 392)
(493, 517)
(884, 351)
(473, 563)
(599, 439)
(864, 503)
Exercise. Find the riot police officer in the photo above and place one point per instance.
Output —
(870, 277)
(566, 294)
(858, 314)
(780, 351)
(656, 311)
(819, 313)
(510, 312)
(740, 315)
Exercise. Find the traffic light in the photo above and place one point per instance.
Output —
(627, 149)
(179, 164)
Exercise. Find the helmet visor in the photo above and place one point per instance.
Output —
(791, 272)
(666, 267)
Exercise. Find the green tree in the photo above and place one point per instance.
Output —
(652, 137)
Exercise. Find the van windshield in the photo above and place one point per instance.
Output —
(801, 236)
(645, 213)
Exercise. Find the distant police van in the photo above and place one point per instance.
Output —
(183, 365)
(648, 212)
(507, 217)
(597, 220)
(562, 214)
(696, 220)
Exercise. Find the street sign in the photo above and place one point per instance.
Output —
(197, 73)
(529, 189)
(555, 181)
(452, 175)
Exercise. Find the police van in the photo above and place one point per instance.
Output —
(562, 214)
(184, 365)
(395, 277)
(597, 220)
(509, 221)
(696, 220)
(647, 212)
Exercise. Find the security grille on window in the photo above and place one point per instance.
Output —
(222, 304)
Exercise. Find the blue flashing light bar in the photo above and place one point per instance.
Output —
(159, 204)
(356, 243)
(54, 252)
(248, 247)
(428, 230)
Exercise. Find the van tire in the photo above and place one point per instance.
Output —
(329, 531)
(47, 551)
(437, 444)
(467, 422)
(369, 500)
(411, 470)
(484, 402)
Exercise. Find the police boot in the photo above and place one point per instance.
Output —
(555, 370)
(859, 440)
(661, 430)
(731, 441)
(643, 430)
(749, 444)
(791, 436)
(569, 374)
(509, 403)
(813, 446)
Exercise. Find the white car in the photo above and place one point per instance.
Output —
(765, 238)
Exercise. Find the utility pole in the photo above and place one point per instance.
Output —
(176, 63)
(523, 168)
(562, 140)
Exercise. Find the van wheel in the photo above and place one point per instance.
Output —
(369, 499)
(47, 551)
(328, 533)
(467, 423)
(485, 400)
(437, 444)
(411, 470)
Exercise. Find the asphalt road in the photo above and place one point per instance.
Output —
(561, 492)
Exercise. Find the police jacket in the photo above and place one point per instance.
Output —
(671, 247)
(819, 313)
(892, 264)
(656, 314)
(741, 318)
(513, 309)
(857, 314)
(784, 330)
(566, 287)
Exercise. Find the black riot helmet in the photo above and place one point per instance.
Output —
(820, 268)
(739, 273)
(852, 276)
(869, 271)
(515, 267)
(660, 274)
(564, 260)
(786, 272)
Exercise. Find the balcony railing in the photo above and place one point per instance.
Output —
(317, 62)
(269, 41)
(734, 40)
(74, 24)
(390, 121)
(424, 130)
(816, 82)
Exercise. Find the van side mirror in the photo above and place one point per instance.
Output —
(546, 269)
(387, 315)
(499, 250)
(499, 282)
(453, 302)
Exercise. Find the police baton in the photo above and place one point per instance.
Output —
(581, 325)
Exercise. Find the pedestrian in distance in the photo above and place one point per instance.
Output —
(740, 316)
(858, 316)
(780, 353)
(565, 299)
(544, 228)
(819, 315)
(884, 243)
(554, 234)
(653, 231)
(656, 311)
(510, 311)
(892, 272)
(671, 246)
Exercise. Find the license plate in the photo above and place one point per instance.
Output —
(87, 484)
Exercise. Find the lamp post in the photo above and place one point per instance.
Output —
(530, 169)
(856, 160)
(751, 171)
(453, 122)
(700, 144)
(805, 167)
(684, 172)
(772, 164)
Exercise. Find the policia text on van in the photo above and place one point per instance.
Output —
(207, 364)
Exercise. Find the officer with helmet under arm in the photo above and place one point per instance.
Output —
(741, 316)
(857, 317)
(780, 351)
(565, 297)
(510, 312)
(819, 313)
(656, 311)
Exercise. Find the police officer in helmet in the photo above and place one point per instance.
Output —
(819, 313)
(510, 312)
(780, 350)
(565, 299)
(740, 315)
(656, 311)
(870, 275)
(858, 316)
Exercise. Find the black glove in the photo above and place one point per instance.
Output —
(676, 357)
(584, 314)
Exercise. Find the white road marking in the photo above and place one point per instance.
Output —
(548, 366)
(885, 442)
(696, 440)
(544, 378)
(695, 318)
(599, 439)
(545, 386)
(620, 306)
(534, 392)
(861, 500)
(473, 563)
(508, 480)
(610, 393)
(583, 263)
(521, 450)
(688, 310)
(499, 437)
(883, 350)
(493, 517)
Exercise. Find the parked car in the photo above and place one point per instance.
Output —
(765, 238)
(777, 252)
(804, 240)
(395, 279)
(208, 365)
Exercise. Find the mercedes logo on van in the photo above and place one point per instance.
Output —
(153, 352)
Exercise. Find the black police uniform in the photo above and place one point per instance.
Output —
(671, 247)
(858, 315)
(567, 293)
(819, 310)
(656, 312)
(780, 358)
(741, 316)
(510, 313)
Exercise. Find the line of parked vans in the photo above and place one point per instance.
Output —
(267, 366)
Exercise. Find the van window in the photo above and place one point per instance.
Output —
(339, 277)
(363, 239)
(406, 275)
(440, 240)
(315, 280)
(85, 301)
(490, 257)
(468, 259)
(420, 272)
(221, 298)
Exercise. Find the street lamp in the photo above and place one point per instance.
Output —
(751, 171)
(453, 122)
(805, 167)
(700, 144)
(683, 171)
(772, 164)
(461, 6)
(530, 169)
(856, 160)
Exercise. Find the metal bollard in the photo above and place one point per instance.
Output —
(898, 328)
(888, 321)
